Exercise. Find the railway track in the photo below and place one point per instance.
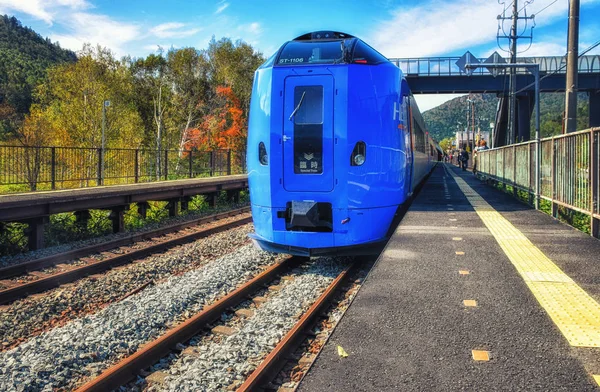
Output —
(46, 273)
(151, 353)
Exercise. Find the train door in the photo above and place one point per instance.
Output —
(408, 142)
(308, 133)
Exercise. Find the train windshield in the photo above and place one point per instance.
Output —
(313, 52)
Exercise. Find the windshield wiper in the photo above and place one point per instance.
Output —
(298, 107)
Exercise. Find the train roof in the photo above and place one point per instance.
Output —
(325, 47)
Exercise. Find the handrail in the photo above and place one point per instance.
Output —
(568, 167)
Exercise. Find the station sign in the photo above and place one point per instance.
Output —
(465, 59)
(495, 58)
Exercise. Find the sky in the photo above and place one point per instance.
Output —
(396, 28)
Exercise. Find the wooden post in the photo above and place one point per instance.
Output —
(117, 216)
(82, 217)
(173, 207)
(143, 208)
(211, 198)
(35, 232)
(233, 195)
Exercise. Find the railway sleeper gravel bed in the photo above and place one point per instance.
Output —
(31, 316)
(38, 281)
(68, 355)
(296, 365)
(224, 358)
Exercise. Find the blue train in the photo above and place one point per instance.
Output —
(336, 146)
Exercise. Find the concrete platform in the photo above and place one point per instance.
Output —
(408, 328)
(36, 204)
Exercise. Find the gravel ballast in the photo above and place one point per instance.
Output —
(26, 318)
(221, 364)
(63, 356)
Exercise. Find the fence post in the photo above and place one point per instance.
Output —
(595, 179)
(191, 162)
(53, 168)
(228, 162)
(553, 168)
(137, 166)
(515, 193)
(166, 163)
(100, 174)
(212, 163)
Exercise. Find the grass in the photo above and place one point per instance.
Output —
(576, 219)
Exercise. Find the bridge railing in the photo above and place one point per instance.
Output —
(25, 168)
(569, 171)
(446, 66)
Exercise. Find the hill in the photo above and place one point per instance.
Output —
(24, 58)
(442, 121)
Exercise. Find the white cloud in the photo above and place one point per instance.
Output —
(45, 10)
(222, 8)
(252, 28)
(441, 28)
(97, 29)
(444, 27)
(174, 30)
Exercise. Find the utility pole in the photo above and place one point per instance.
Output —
(512, 103)
(512, 38)
(572, 68)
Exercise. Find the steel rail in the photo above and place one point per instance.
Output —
(128, 368)
(22, 290)
(44, 262)
(270, 365)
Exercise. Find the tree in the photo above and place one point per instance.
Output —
(188, 74)
(151, 81)
(446, 144)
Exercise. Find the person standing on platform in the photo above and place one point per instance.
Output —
(463, 158)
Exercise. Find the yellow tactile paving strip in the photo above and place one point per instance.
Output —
(574, 312)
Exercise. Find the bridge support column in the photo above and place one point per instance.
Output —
(35, 232)
(117, 216)
(594, 108)
(173, 207)
(524, 109)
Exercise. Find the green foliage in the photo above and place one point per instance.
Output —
(13, 238)
(24, 58)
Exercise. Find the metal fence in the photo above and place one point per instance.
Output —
(40, 168)
(569, 171)
(446, 66)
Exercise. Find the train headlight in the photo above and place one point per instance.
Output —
(359, 159)
(263, 157)
(359, 154)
